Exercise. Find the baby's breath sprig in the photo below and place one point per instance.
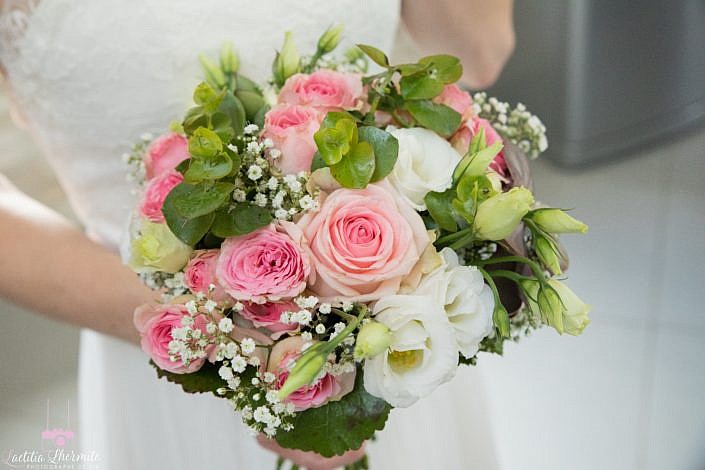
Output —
(134, 159)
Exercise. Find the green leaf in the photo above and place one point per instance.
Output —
(210, 168)
(204, 380)
(243, 219)
(377, 56)
(195, 118)
(386, 148)
(334, 142)
(245, 84)
(356, 169)
(204, 143)
(440, 207)
(189, 231)
(220, 124)
(251, 101)
(447, 68)
(410, 69)
(317, 162)
(232, 107)
(191, 201)
(339, 425)
(475, 164)
(437, 117)
(204, 95)
(420, 86)
(259, 116)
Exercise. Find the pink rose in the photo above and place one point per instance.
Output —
(268, 264)
(456, 98)
(323, 88)
(268, 315)
(156, 192)
(291, 128)
(165, 153)
(155, 324)
(199, 274)
(461, 140)
(363, 242)
(327, 388)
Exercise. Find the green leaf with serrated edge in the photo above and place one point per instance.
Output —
(211, 168)
(233, 108)
(386, 148)
(204, 380)
(377, 56)
(357, 167)
(437, 117)
(440, 208)
(317, 162)
(337, 426)
(243, 219)
(447, 68)
(195, 200)
(189, 231)
(204, 143)
(420, 86)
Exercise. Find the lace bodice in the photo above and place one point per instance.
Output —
(90, 76)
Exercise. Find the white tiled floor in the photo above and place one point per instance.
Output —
(628, 394)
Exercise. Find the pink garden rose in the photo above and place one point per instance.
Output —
(291, 128)
(155, 324)
(327, 388)
(199, 274)
(461, 140)
(456, 98)
(156, 192)
(268, 264)
(268, 315)
(325, 89)
(165, 153)
(363, 242)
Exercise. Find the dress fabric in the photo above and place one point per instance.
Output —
(89, 77)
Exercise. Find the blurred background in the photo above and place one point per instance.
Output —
(622, 92)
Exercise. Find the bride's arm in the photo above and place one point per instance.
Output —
(480, 32)
(49, 266)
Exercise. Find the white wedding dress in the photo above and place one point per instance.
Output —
(89, 77)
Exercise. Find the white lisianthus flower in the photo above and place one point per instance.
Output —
(422, 353)
(467, 300)
(425, 163)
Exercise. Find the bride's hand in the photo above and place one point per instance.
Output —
(312, 460)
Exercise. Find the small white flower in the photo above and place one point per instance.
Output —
(255, 381)
(238, 306)
(260, 199)
(251, 129)
(191, 308)
(231, 349)
(269, 378)
(307, 203)
(239, 364)
(271, 397)
(256, 397)
(211, 328)
(320, 328)
(275, 153)
(254, 361)
(278, 199)
(268, 143)
(254, 172)
(281, 214)
(225, 373)
(325, 308)
(225, 325)
(285, 318)
(272, 183)
(347, 306)
(306, 336)
(239, 195)
(210, 305)
(247, 346)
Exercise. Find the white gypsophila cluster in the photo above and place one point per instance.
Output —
(351, 62)
(260, 182)
(170, 285)
(134, 159)
(517, 125)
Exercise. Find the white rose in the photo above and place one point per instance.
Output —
(422, 354)
(467, 300)
(425, 163)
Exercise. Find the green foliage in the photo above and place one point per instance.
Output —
(242, 219)
(204, 380)
(195, 200)
(339, 425)
(356, 170)
(377, 56)
(187, 229)
(440, 208)
(437, 117)
(386, 150)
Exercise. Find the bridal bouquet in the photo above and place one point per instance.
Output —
(335, 242)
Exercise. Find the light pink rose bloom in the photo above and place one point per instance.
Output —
(327, 388)
(199, 274)
(155, 324)
(457, 99)
(325, 89)
(268, 315)
(165, 153)
(363, 242)
(461, 140)
(156, 192)
(267, 264)
(291, 128)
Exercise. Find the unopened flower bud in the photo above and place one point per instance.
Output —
(213, 74)
(373, 339)
(498, 216)
(228, 59)
(305, 371)
(330, 39)
(557, 221)
(287, 62)
(546, 252)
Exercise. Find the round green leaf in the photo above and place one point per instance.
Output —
(189, 231)
(243, 219)
(233, 108)
(437, 117)
(447, 68)
(194, 200)
(386, 149)
(209, 168)
(204, 143)
(420, 86)
(252, 102)
(355, 170)
(440, 208)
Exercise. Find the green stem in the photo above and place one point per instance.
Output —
(535, 267)
(451, 237)
(463, 242)
(511, 275)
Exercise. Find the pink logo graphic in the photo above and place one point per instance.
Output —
(59, 436)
